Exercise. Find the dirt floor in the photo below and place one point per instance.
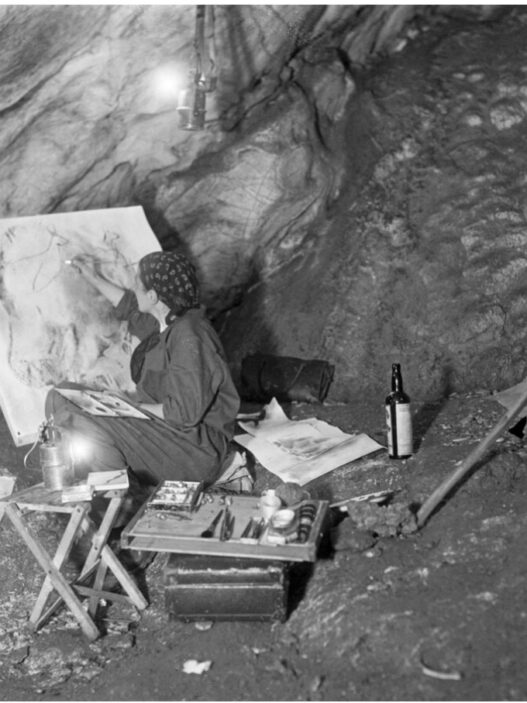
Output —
(439, 614)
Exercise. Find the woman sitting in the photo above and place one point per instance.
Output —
(181, 376)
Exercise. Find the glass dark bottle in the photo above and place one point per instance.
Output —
(398, 418)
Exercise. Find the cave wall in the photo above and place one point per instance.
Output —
(421, 258)
(329, 205)
(83, 126)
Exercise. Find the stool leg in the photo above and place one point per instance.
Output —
(111, 562)
(98, 583)
(100, 536)
(62, 553)
(99, 543)
(99, 540)
(124, 578)
(59, 582)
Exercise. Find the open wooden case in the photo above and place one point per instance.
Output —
(181, 531)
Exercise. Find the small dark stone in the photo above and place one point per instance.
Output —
(346, 536)
(291, 493)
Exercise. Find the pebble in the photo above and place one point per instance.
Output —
(193, 666)
(346, 536)
(375, 552)
(204, 625)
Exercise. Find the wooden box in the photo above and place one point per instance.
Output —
(199, 587)
(182, 533)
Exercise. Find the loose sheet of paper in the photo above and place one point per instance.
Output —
(301, 450)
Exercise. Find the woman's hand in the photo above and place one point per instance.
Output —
(88, 267)
(85, 265)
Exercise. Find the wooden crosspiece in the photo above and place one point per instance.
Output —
(470, 462)
(99, 561)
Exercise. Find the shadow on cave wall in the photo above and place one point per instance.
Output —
(166, 234)
(244, 76)
(252, 333)
(428, 412)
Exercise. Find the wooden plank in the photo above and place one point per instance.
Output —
(99, 537)
(472, 459)
(98, 582)
(59, 582)
(62, 553)
(58, 601)
(41, 499)
(124, 578)
(100, 594)
(99, 540)
(225, 549)
(100, 557)
(112, 563)
(160, 532)
(99, 567)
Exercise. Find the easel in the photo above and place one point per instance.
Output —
(99, 561)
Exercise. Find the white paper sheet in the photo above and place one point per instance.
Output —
(302, 450)
(54, 326)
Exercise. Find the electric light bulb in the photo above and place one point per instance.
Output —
(80, 449)
(167, 81)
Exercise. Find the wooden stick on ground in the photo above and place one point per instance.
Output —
(441, 491)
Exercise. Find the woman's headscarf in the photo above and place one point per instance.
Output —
(173, 278)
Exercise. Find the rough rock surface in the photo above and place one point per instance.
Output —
(408, 169)
(421, 256)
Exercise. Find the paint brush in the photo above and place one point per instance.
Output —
(72, 262)
(82, 257)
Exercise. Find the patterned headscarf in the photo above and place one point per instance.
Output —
(173, 278)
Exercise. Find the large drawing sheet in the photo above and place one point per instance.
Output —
(301, 450)
(54, 326)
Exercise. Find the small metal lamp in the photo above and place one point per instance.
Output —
(192, 100)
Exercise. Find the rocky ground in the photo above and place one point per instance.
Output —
(438, 614)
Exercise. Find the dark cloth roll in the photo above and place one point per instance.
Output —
(264, 376)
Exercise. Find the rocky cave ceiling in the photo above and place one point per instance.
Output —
(343, 200)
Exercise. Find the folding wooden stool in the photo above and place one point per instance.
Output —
(99, 561)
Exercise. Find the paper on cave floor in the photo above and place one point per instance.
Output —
(301, 450)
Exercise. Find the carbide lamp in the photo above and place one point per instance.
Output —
(57, 470)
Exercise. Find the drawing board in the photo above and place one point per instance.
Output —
(54, 326)
(102, 403)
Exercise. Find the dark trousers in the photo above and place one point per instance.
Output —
(150, 450)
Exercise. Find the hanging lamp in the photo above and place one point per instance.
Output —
(192, 99)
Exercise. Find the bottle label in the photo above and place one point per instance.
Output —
(399, 424)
